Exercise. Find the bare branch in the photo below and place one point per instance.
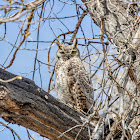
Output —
(26, 104)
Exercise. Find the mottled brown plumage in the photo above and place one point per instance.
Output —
(72, 80)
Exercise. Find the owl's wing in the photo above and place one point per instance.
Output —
(82, 87)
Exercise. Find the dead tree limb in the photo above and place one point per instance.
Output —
(25, 104)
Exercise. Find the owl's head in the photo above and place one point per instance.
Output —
(66, 52)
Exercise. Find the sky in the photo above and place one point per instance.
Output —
(23, 64)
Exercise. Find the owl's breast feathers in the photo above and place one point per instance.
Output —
(76, 82)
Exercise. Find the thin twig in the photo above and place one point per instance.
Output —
(27, 33)
(11, 130)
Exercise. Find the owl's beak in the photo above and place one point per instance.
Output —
(68, 56)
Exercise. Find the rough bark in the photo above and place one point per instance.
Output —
(24, 103)
(118, 20)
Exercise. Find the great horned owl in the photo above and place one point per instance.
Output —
(72, 80)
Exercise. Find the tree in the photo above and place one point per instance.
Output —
(112, 58)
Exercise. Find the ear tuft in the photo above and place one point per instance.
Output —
(59, 45)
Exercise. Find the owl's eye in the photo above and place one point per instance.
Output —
(62, 52)
(73, 52)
